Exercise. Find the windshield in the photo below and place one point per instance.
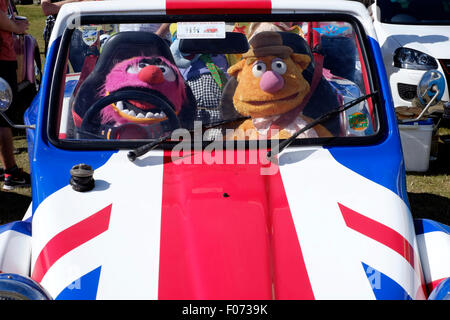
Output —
(230, 80)
(415, 12)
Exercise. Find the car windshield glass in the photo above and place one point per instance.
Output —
(231, 80)
(415, 11)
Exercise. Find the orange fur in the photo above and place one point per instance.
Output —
(251, 98)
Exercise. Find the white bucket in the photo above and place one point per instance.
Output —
(416, 144)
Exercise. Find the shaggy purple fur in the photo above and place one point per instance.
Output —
(119, 78)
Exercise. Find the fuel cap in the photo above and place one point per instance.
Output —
(81, 178)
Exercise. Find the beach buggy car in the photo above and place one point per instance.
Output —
(251, 152)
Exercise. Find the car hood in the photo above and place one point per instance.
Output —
(433, 40)
(225, 227)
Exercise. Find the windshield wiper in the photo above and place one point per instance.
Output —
(139, 151)
(133, 154)
(323, 118)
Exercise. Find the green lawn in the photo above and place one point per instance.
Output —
(13, 204)
(429, 192)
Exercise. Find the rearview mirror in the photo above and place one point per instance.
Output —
(431, 87)
(430, 90)
(234, 42)
(5, 95)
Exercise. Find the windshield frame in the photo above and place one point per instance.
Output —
(57, 85)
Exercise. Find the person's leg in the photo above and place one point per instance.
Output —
(4, 154)
(6, 148)
(8, 73)
(12, 175)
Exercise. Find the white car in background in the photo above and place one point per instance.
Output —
(414, 36)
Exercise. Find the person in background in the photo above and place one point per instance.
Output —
(78, 49)
(50, 8)
(12, 175)
(161, 30)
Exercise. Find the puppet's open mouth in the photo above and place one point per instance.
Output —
(258, 103)
(139, 112)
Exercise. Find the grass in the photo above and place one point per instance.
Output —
(428, 193)
(14, 204)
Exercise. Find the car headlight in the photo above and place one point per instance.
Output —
(413, 59)
(17, 287)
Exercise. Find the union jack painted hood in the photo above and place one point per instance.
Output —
(314, 230)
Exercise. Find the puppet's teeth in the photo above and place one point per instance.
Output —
(119, 105)
(125, 111)
(140, 115)
(132, 113)
(156, 115)
(163, 115)
(149, 115)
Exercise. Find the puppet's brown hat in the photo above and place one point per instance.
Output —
(267, 43)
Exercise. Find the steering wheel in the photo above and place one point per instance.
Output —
(141, 94)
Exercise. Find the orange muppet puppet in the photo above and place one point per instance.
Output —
(271, 90)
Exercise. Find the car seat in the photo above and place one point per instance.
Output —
(206, 72)
(324, 97)
(119, 47)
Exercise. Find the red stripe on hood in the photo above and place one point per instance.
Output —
(218, 7)
(227, 233)
(69, 239)
(378, 232)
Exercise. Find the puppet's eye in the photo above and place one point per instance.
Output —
(133, 69)
(137, 67)
(258, 69)
(168, 73)
(279, 66)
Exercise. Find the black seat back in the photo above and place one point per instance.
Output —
(119, 47)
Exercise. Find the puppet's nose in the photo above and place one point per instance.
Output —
(151, 75)
(271, 82)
